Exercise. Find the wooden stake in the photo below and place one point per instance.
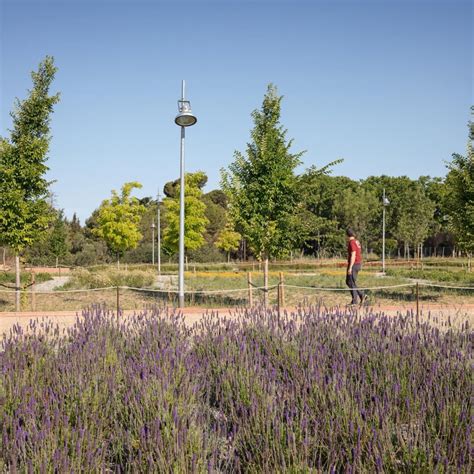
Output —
(282, 290)
(118, 300)
(33, 293)
(417, 300)
(249, 281)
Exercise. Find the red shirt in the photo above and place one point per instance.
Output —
(354, 246)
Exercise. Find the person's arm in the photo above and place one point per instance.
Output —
(351, 263)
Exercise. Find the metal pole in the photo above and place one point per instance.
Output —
(181, 217)
(153, 242)
(383, 233)
(159, 235)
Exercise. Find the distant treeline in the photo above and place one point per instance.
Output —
(416, 220)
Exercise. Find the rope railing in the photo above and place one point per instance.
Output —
(235, 290)
(227, 297)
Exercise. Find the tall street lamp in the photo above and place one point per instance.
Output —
(159, 234)
(385, 203)
(153, 242)
(185, 118)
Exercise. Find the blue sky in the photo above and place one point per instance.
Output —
(384, 84)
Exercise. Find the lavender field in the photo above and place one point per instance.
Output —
(317, 391)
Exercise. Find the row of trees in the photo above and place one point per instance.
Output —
(264, 209)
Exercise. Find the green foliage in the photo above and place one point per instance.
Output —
(216, 214)
(8, 278)
(195, 218)
(118, 220)
(228, 239)
(208, 253)
(58, 238)
(416, 217)
(358, 209)
(105, 277)
(459, 198)
(171, 188)
(261, 186)
(24, 211)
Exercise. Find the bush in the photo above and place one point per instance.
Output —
(82, 278)
(336, 392)
(208, 253)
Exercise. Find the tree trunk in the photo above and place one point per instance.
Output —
(228, 257)
(4, 256)
(57, 262)
(118, 262)
(17, 283)
(265, 283)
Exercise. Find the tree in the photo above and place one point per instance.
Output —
(261, 186)
(228, 240)
(416, 218)
(313, 220)
(459, 199)
(194, 210)
(58, 239)
(359, 209)
(118, 220)
(24, 209)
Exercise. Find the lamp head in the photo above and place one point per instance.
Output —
(185, 117)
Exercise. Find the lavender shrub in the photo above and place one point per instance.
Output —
(314, 391)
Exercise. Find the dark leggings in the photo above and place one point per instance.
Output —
(351, 282)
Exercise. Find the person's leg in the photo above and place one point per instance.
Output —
(350, 282)
(355, 271)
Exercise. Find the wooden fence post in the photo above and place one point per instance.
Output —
(417, 300)
(282, 290)
(249, 281)
(33, 294)
(278, 297)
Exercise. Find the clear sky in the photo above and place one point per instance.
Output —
(386, 84)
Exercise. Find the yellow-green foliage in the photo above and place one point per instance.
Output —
(195, 222)
(119, 219)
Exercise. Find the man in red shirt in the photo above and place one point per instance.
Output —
(354, 264)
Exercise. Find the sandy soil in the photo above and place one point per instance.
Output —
(440, 315)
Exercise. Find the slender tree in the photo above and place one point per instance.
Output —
(228, 240)
(194, 210)
(459, 200)
(58, 244)
(118, 221)
(24, 209)
(261, 186)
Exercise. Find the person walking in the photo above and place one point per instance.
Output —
(354, 264)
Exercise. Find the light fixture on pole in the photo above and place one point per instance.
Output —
(385, 203)
(153, 242)
(185, 118)
(159, 233)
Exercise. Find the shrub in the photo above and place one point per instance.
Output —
(322, 391)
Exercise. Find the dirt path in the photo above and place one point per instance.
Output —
(441, 315)
(50, 285)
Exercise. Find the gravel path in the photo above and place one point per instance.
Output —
(50, 285)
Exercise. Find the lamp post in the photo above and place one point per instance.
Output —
(159, 233)
(185, 118)
(153, 242)
(385, 203)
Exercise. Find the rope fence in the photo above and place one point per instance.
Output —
(128, 297)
